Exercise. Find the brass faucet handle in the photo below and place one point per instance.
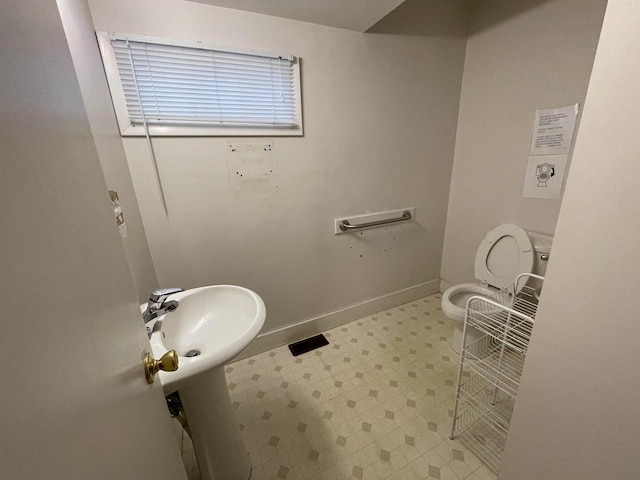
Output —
(167, 363)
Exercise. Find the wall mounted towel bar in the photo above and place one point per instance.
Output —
(346, 226)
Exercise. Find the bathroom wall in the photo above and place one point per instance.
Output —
(520, 56)
(75, 404)
(77, 22)
(577, 411)
(380, 116)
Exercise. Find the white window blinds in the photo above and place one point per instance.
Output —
(176, 85)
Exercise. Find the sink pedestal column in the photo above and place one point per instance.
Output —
(215, 432)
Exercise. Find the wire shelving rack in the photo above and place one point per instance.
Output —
(491, 366)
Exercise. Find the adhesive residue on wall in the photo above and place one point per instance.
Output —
(117, 211)
(251, 170)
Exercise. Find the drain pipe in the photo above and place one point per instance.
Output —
(175, 409)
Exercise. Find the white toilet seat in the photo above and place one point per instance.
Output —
(503, 254)
(454, 299)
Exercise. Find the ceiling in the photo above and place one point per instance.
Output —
(357, 15)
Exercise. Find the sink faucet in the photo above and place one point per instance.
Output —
(158, 304)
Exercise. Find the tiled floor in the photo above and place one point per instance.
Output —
(375, 403)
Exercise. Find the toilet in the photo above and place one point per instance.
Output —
(506, 252)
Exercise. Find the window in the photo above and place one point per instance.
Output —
(182, 89)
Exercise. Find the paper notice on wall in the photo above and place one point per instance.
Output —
(553, 130)
(545, 176)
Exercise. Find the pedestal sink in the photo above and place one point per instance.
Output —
(211, 326)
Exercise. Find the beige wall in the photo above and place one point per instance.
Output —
(380, 114)
(78, 26)
(520, 56)
(75, 404)
(578, 415)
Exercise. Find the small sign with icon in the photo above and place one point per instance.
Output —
(544, 176)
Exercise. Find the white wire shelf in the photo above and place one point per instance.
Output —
(512, 326)
(492, 404)
(480, 436)
(502, 367)
(494, 363)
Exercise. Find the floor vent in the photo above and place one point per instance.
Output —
(308, 344)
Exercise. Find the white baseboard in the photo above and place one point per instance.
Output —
(444, 285)
(312, 326)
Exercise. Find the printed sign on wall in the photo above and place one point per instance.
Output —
(553, 130)
(550, 146)
(544, 177)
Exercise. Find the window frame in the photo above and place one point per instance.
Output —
(127, 129)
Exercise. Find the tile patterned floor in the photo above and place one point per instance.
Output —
(373, 404)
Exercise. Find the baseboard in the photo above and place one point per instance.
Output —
(312, 326)
(444, 285)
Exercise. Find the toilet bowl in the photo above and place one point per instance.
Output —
(454, 299)
(506, 252)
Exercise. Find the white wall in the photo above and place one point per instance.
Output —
(520, 56)
(357, 15)
(380, 113)
(75, 404)
(577, 416)
(78, 26)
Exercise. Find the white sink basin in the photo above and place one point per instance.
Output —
(215, 323)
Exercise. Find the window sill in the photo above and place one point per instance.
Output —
(210, 131)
